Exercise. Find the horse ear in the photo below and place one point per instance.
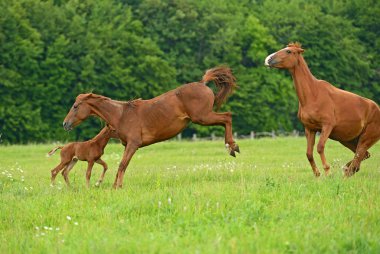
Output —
(300, 50)
(88, 96)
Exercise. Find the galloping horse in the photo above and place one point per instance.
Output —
(352, 120)
(140, 123)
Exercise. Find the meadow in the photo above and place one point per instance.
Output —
(192, 197)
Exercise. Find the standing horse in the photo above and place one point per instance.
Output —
(352, 120)
(140, 123)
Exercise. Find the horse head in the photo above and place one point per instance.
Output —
(285, 58)
(112, 131)
(80, 110)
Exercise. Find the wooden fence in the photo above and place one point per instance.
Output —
(252, 135)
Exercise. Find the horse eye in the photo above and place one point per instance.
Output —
(288, 51)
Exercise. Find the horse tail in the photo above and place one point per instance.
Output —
(53, 151)
(224, 81)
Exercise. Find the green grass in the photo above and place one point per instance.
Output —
(191, 197)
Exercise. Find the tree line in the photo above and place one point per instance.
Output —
(52, 50)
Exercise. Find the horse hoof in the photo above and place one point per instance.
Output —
(237, 149)
(97, 184)
(232, 153)
(348, 173)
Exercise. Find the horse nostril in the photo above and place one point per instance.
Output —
(66, 125)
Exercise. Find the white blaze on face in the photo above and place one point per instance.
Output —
(267, 59)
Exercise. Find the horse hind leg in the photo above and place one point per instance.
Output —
(222, 119)
(367, 139)
(66, 172)
(352, 145)
(105, 167)
(56, 170)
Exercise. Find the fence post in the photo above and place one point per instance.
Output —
(252, 135)
(194, 137)
(273, 134)
(235, 135)
(212, 136)
(179, 136)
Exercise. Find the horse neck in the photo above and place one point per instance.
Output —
(304, 82)
(108, 110)
(102, 138)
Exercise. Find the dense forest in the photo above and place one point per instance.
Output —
(52, 50)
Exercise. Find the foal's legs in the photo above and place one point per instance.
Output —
(310, 139)
(129, 151)
(65, 172)
(223, 119)
(56, 170)
(88, 173)
(105, 167)
(325, 133)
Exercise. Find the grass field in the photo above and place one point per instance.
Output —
(191, 197)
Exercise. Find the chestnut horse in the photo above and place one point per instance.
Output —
(90, 151)
(140, 123)
(352, 120)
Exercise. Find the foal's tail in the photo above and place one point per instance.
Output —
(53, 151)
(224, 81)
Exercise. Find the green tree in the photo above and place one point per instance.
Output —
(20, 49)
(333, 50)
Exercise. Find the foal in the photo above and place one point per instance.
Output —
(89, 151)
(352, 120)
(140, 123)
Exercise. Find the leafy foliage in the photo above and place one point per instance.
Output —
(50, 51)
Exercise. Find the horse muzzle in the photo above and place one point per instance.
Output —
(270, 61)
(67, 126)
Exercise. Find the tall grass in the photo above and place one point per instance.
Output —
(191, 197)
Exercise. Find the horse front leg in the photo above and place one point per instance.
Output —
(129, 151)
(325, 133)
(310, 139)
(88, 173)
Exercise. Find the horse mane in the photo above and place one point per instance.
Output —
(91, 95)
(295, 45)
(133, 103)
